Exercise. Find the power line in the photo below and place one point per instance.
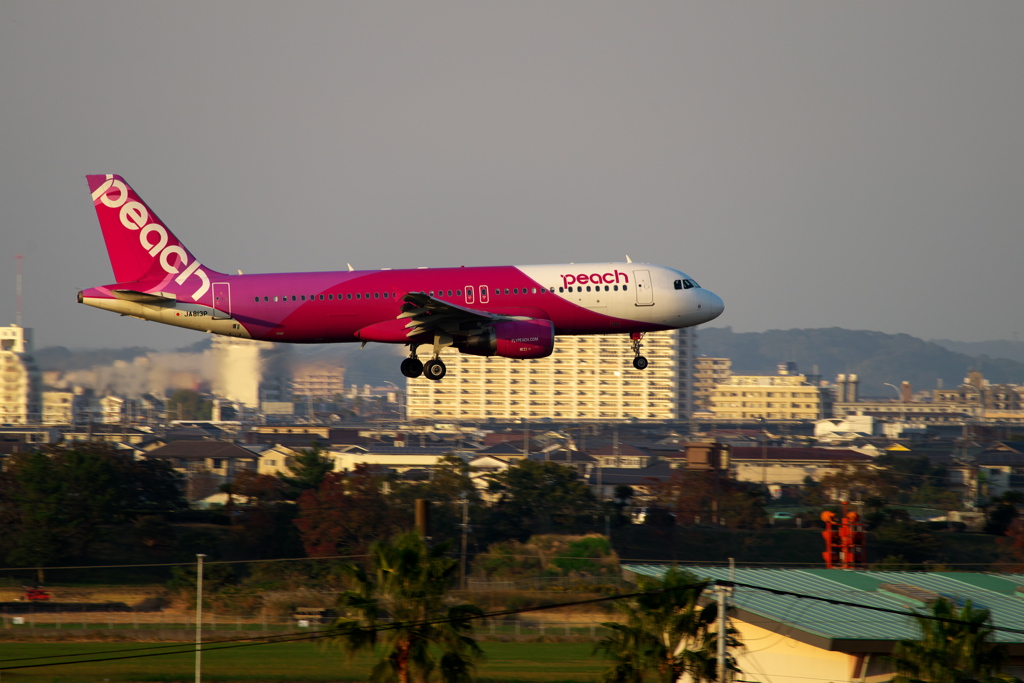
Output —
(329, 634)
(488, 615)
(186, 564)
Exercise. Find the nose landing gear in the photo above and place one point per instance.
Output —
(639, 362)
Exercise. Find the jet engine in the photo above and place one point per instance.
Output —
(512, 339)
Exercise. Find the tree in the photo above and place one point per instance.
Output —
(1002, 513)
(54, 501)
(402, 605)
(699, 497)
(264, 526)
(1011, 549)
(910, 540)
(536, 497)
(624, 493)
(152, 485)
(950, 652)
(665, 634)
(857, 482)
(308, 470)
(448, 489)
(37, 531)
(344, 513)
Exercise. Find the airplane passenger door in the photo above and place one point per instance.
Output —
(644, 290)
(221, 300)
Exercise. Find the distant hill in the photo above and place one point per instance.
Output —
(1012, 350)
(873, 356)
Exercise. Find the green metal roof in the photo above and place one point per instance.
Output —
(846, 623)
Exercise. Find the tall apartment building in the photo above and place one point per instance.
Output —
(771, 397)
(707, 374)
(587, 378)
(21, 398)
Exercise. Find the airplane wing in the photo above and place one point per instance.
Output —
(429, 315)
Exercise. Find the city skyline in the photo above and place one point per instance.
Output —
(817, 166)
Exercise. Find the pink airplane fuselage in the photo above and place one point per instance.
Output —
(493, 310)
(322, 307)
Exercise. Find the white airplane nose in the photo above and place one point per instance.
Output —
(713, 304)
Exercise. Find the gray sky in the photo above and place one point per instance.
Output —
(854, 164)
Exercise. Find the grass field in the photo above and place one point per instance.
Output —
(276, 663)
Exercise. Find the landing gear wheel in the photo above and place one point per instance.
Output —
(434, 369)
(639, 362)
(412, 367)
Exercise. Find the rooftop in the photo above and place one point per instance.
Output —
(852, 629)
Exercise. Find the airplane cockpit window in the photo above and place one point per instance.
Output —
(685, 284)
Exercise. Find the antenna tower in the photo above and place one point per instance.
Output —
(17, 314)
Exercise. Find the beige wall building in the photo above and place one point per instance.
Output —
(318, 381)
(983, 400)
(771, 397)
(58, 407)
(707, 374)
(587, 378)
(21, 399)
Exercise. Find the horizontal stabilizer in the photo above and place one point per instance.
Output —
(144, 297)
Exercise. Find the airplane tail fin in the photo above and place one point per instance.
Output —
(140, 247)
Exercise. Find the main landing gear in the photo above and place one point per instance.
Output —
(412, 367)
(433, 369)
(639, 362)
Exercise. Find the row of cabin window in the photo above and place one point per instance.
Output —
(597, 288)
(457, 292)
(329, 297)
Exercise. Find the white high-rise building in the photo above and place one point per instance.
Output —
(20, 382)
(587, 378)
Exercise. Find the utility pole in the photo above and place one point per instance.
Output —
(615, 444)
(199, 616)
(722, 588)
(764, 457)
(17, 308)
(465, 528)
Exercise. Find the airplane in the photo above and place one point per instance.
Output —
(507, 311)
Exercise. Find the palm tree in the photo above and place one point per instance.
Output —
(665, 634)
(402, 604)
(955, 647)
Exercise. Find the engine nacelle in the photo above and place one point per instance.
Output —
(513, 339)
